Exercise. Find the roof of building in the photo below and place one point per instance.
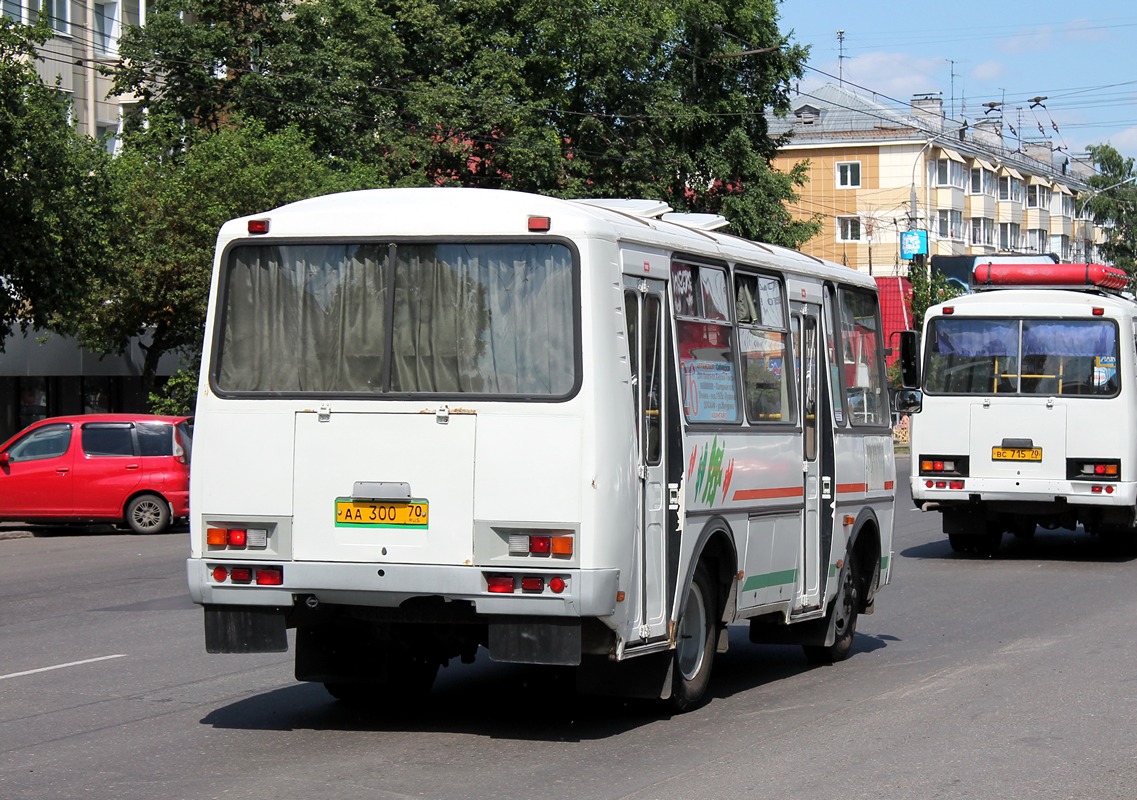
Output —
(834, 113)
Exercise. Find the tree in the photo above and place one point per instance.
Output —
(574, 98)
(168, 209)
(928, 289)
(1114, 206)
(53, 197)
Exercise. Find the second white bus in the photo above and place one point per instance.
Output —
(585, 433)
(1028, 414)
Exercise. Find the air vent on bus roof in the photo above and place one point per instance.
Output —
(700, 222)
(649, 209)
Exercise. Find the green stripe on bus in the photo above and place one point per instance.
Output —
(883, 563)
(769, 579)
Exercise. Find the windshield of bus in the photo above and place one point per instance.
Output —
(484, 318)
(1022, 356)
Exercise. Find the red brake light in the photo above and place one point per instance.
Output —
(500, 584)
(532, 584)
(540, 544)
(270, 576)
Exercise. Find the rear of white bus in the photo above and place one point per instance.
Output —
(389, 450)
(1027, 417)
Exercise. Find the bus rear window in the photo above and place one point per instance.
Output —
(484, 318)
(1031, 357)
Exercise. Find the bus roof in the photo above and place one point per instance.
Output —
(1015, 303)
(446, 211)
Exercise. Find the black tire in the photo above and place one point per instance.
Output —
(846, 610)
(987, 544)
(148, 513)
(695, 643)
(1024, 529)
(961, 543)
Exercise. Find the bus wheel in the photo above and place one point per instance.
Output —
(961, 543)
(695, 643)
(846, 608)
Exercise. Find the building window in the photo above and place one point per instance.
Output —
(1010, 189)
(949, 223)
(1037, 240)
(1038, 197)
(982, 181)
(1010, 236)
(949, 172)
(982, 231)
(849, 175)
(1066, 205)
(848, 229)
(57, 11)
(1060, 245)
(11, 10)
(106, 30)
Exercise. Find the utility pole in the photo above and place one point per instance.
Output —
(840, 58)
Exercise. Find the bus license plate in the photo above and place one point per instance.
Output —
(382, 514)
(1016, 453)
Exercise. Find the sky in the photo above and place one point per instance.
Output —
(1080, 56)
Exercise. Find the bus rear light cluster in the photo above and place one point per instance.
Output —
(953, 484)
(1101, 469)
(947, 466)
(543, 543)
(526, 584)
(1095, 489)
(259, 575)
(236, 538)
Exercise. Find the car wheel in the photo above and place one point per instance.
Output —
(148, 513)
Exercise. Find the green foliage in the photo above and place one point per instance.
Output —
(53, 195)
(928, 289)
(168, 209)
(1115, 206)
(178, 395)
(623, 98)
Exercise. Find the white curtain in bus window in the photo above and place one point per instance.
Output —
(706, 350)
(483, 318)
(972, 356)
(486, 318)
(1069, 357)
(863, 350)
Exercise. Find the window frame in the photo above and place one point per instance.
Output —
(844, 174)
(844, 222)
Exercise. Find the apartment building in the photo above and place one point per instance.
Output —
(86, 36)
(46, 375)
(890, 184)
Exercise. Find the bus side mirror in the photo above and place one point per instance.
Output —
(909, 401)
(909, 360)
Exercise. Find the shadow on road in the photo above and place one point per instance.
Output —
(1056, 545)
(510, 701)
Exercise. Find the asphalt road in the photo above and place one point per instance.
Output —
(1012, 677)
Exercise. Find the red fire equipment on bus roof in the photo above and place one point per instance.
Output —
(1100, 275)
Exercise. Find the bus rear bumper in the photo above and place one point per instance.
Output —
(1001, 490)
(585, 593)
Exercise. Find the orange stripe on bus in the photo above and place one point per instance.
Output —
(889, 484)
(766, 494)
(845, 488)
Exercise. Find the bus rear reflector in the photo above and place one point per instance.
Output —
(258, 226)
(499, 584)
(540, 224)
(270, 576)
(532, 584)
(241, 574)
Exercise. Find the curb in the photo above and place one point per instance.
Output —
(16, 535)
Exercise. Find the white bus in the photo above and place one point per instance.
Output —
(1028, 415)
(583, 433)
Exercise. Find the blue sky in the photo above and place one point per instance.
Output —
(1080, 56)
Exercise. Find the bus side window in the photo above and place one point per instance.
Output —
(758, 302)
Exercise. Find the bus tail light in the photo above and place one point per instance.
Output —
(499, 584)
(943, 465)
(541, 543)
(236, 537)
(1097, 469)
(270, 576)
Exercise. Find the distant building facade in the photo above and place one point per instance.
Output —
(888, 182)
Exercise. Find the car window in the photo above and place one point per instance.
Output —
(155, 438)
(50, 441)
(113, 439)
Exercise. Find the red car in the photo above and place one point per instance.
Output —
(122, 468)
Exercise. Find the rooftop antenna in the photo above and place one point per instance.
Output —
(952, 81)
(840, 58)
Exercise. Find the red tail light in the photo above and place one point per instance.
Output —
(270, 576)
(500, 584)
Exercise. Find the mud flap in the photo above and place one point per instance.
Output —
(647, 676)
(556, 642)
(245, 629)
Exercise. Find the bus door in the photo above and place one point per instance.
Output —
(817, 441)
(645, 313)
